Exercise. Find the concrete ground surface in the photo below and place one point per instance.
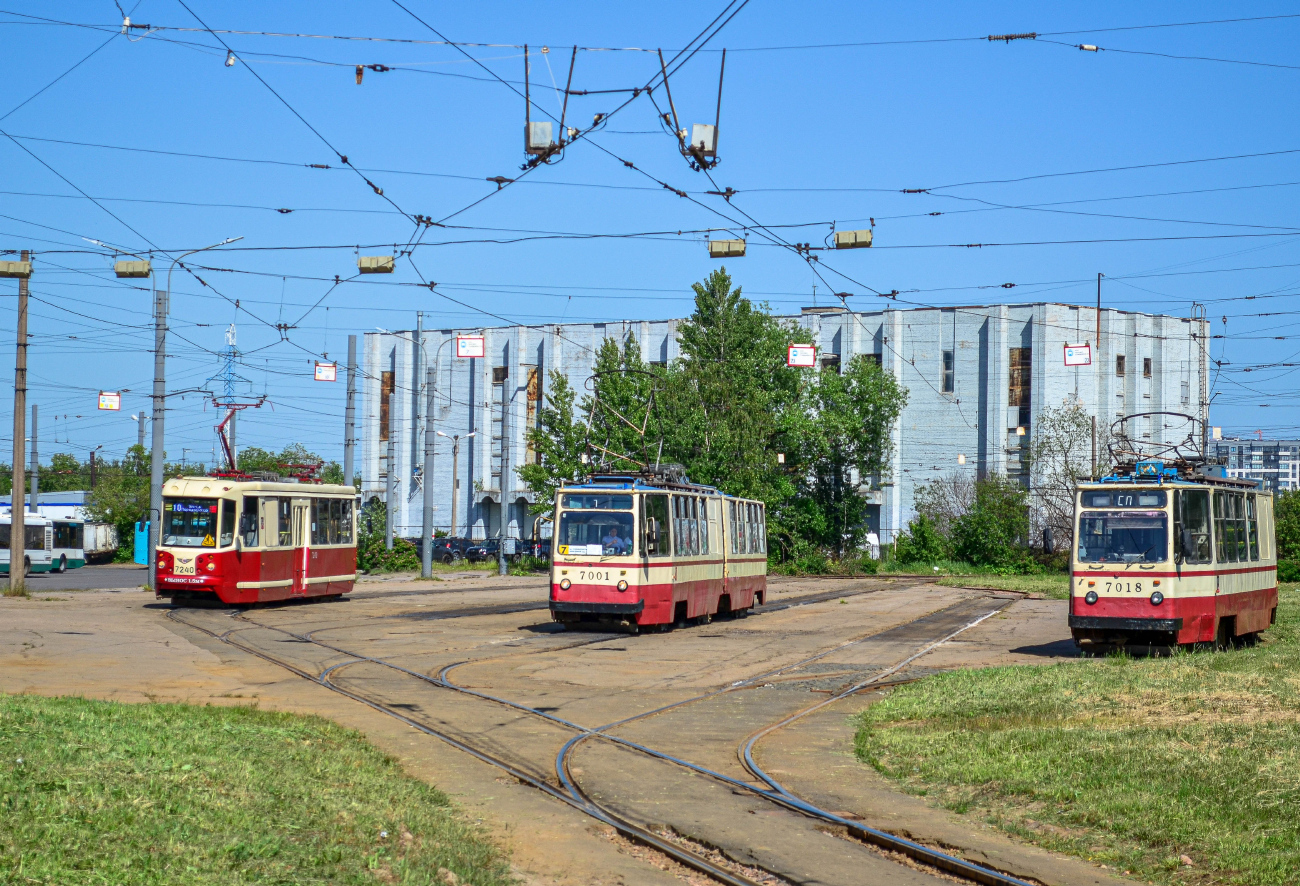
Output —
(493, 635)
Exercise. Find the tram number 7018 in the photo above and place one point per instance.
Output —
(593, 575)
(1124, 587)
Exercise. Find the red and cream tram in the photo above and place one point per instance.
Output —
(640, 550)
(250, 541)
(1168, 556)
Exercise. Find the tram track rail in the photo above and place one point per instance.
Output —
(570, 792)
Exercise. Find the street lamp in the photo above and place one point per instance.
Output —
(455, 474)
(160, 305)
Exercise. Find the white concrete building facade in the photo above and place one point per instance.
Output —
(974, 375)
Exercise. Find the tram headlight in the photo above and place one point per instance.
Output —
(1157, 598)
(1090, 597)
(565, 584)
(622, 585)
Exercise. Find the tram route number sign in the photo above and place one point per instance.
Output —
(1078, 355)
(803, 356)
(110, 400)
(470, 346)
(327, 371)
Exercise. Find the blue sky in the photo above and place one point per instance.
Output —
(814, 132)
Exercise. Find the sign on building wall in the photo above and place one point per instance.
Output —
(327, 371)
(469, 346)
(1078, 355)
(110, 400)
(801, 356)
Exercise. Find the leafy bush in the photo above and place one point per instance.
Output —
(921, 542)
(995, 531)
(1288, 570)
(529, 565)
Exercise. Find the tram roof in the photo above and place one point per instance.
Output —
(636, 483)
(215, 486)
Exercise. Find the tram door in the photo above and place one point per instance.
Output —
(301, 548)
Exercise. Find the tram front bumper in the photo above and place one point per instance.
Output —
(583, 607)
(1113, 623)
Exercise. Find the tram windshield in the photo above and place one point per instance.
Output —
(595, 533)
(1123, 537)
(189, 522)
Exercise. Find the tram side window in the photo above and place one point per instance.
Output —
(704, 526)
(248, 522)
(1225, 528)
(286, 522)
(762, 529)
(1239, 517)
(227, 536)
(345, 521)
(654, 526)
(1192, 519)
(1252, 526)
(731, 526)
(752, 527)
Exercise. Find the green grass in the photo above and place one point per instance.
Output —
(100, 792)
(1054, 586)
(1131, 763)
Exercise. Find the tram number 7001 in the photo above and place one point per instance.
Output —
(1124, 587)
(593, 575)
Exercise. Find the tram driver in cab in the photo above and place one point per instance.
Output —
(612, 543)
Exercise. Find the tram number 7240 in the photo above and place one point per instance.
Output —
(1124, 587)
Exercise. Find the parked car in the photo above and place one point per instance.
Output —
(487, 550)
(446, 549)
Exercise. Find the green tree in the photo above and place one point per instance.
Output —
(1286, 519)
(253, 458)
(995, 531)
(558, 441)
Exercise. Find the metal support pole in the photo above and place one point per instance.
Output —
(36, 466)
(426, 524)
(390, 495)
(1099, 276)
(230, 432)
(350, 415)
(17, 553)
(417, 352)
(1094, 447)
(140, 434)
(92, 469)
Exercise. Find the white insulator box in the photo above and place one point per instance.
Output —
(20, 269)
(132, 268)
(852, 239)
(726, 248)
(538, 137)
(375, 264)
(704, 139)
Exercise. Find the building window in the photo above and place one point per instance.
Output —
(385, 402)
(1146, 367)
(500, 374)
(949, 383)
(874, 358)
(1018, 393)
(1119, 365)
(831, 361)
(1187, 393)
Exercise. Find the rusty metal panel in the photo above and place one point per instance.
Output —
(531, 401)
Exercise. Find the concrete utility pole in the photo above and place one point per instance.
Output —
(139, 437)
(36, 466)
(426, 524)
(390, 495)
(505, 476)
(455, 475)
(350, 415)
(17, 528)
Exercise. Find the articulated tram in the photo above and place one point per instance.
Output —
(1171, 555)
(251, 541)
(653, 550)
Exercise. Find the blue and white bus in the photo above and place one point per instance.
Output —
(38, 546)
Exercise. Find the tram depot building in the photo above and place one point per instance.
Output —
(977, 379)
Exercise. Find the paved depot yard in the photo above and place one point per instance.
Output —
(120, 645)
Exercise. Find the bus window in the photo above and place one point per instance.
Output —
(1192, 523)
(654, 526)
(228, 522)
(248, 522)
